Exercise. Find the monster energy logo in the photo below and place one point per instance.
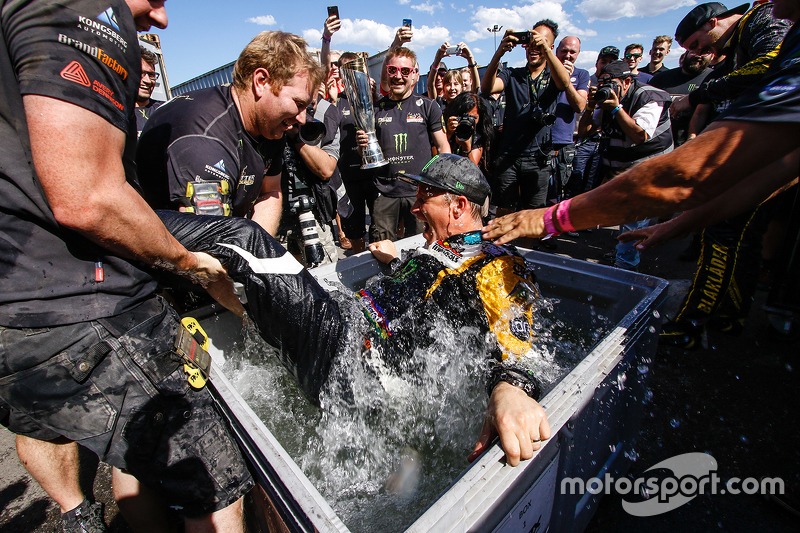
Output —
(400, 142)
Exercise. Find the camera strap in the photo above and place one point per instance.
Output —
(537, 86)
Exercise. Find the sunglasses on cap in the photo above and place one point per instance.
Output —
(632, 56)
(404, 71)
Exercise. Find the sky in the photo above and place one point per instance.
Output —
(202, 35)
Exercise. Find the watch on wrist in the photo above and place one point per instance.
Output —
(517, 377)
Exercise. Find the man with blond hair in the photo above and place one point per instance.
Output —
(232, 136)
(658, 52)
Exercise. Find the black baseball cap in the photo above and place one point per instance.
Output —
(702, 14)
(452, 173)
(609, 51)
(617, 69)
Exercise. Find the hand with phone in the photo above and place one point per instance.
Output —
(403, 35)
(332, 23)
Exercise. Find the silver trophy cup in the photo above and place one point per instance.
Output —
(359, 94)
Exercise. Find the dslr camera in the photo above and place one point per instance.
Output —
(604, 91)
(541, 118)
(466, 127)
(313, 130)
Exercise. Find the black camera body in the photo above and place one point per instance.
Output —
(542, 118)
(466, 127)
(313, 130)
(605, 91)
(523, 37)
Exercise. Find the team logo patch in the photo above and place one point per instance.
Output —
(419, 102)
(109, 17)
(520, 328)
(780, 87)
(74, 72)
(384, 120)
(414, 118)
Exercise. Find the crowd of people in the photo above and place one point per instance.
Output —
(143, 197)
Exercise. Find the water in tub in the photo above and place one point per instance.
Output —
(386, 443)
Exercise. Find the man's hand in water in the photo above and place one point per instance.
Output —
(384, 251)
(518, 419)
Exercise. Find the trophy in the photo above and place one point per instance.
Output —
(359, 94)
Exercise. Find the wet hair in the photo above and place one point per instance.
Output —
(401, 51)
(552, 26)
(632, 46)
(282, 54)
(475, 210)
(149, 57)
(662, 39)
(463, 104)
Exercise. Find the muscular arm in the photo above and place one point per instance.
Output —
(83, 179)
(267, 211)
(687, 177)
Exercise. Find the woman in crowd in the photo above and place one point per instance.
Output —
(468, 126)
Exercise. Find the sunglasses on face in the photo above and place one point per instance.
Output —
(404, 71)
(633, 56)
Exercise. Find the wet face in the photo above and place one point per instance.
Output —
(401, 72)
(633, 57)
(276, 114)
(452, 89)
(147, 83)
(148, 13)
(533, 54)
(659, 51)
(568, 49)
(434, 210)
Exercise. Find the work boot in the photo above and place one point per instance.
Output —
(85, 518)
(680, 335)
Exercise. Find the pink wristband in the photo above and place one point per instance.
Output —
(548, 221)
(562, 214)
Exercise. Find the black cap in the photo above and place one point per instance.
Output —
(617, 69)
(609, 51)
(702, 14)
(455, 174)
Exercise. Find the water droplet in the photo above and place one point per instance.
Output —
(656, 314)
(644, 369)
(674, 422)
(644, 492)
(788, 367)
(589, 298)
(648, 395)
(743, 439)
(651, 329)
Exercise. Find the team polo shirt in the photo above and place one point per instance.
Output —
(199, 136)
(776, 98)
(564, 128)
(86, 53)
(404, 128)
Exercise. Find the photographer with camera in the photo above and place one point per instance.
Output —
(522, 167)
(311, 184)
(633, 121)
(468, 126)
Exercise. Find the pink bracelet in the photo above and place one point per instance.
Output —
(548, 221)
(562, 214)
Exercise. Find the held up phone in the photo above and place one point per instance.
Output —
(523, 36)
(333, 11)
(407, 23)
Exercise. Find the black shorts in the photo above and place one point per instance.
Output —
(115, 386)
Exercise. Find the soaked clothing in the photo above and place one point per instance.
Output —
(471, 281)
(199, 136)
(748, 53)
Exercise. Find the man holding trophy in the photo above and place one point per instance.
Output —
(408, 129)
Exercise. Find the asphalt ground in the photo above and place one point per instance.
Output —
(735, 400)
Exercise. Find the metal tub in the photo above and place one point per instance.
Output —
(594, 412)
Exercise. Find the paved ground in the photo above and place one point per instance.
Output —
(732, 401)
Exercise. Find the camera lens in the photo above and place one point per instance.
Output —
(312, 131)
(312, 247)
(603, 93)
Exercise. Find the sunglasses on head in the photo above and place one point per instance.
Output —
(632, 56)
(404, 71)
